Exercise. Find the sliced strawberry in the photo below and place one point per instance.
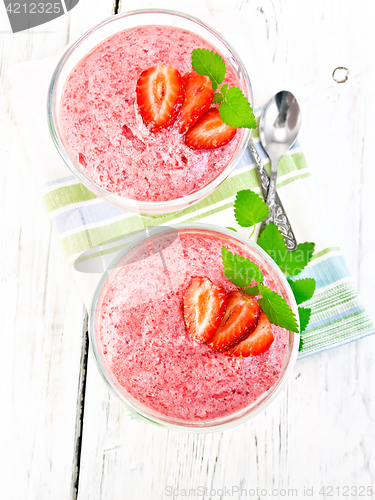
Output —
(198, 98)
(160, 94)
(240, 318)
(204, 306)
(257, 342)
(209, 132)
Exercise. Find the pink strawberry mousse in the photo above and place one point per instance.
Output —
(144, 345)
(103, 132)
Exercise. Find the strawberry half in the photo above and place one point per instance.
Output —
(209, 132)
(257, 342)
(204, 306)
(160, 94)
(198, 98)
(240, 318)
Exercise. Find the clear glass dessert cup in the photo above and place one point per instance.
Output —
(135, 252)
(84, 45)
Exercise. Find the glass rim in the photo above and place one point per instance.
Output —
(143, 206)
(192, 426)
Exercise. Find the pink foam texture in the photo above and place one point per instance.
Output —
(146, 347)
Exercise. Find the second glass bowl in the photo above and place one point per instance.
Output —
(139, 250)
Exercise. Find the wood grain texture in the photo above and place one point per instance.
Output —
(41, 310)
(320, 430)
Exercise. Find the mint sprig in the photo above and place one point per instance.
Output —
(235, 109)
(243, 272)
(250, 209)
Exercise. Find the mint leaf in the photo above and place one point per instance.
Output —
(218, 97)
(273, 243)
(291, 263)
(224, 90)
(236, 110)
(277, 310)
(297, 260)
(240, 270)
(253, 290)
(209, 63)
(249, 208)
(304, 317)
(302, 289)
(232, 228)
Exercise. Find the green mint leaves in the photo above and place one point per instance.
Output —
(240, 270)
(234, 109)
(304, 317)
(302, 289)
(277, 310)
(209, 63)
(250, 209)
(243, 272)
(291, 263)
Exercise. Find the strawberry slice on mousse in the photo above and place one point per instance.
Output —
(258, 342)
(240, 319)
(204, 306)
(198, 98)
(209, 132)
(160, 94)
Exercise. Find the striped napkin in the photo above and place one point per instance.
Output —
(91, 228)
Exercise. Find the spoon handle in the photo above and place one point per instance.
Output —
(277, 212)
(264, 180)
(280, 218)
(282, 222)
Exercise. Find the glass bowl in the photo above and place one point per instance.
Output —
(84, 45)
(138, 250)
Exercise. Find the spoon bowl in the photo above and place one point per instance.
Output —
(279, 124)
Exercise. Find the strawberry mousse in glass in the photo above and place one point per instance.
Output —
(98, 111)
(143, 347)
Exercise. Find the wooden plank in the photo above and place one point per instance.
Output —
(40, 306)
(306, 438)
(87, 14)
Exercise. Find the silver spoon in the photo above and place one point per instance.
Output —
(279, 125)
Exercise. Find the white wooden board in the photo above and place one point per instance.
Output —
(320, 431)
(41, 311)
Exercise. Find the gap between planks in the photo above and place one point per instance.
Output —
(80, 408)
(116, 6)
